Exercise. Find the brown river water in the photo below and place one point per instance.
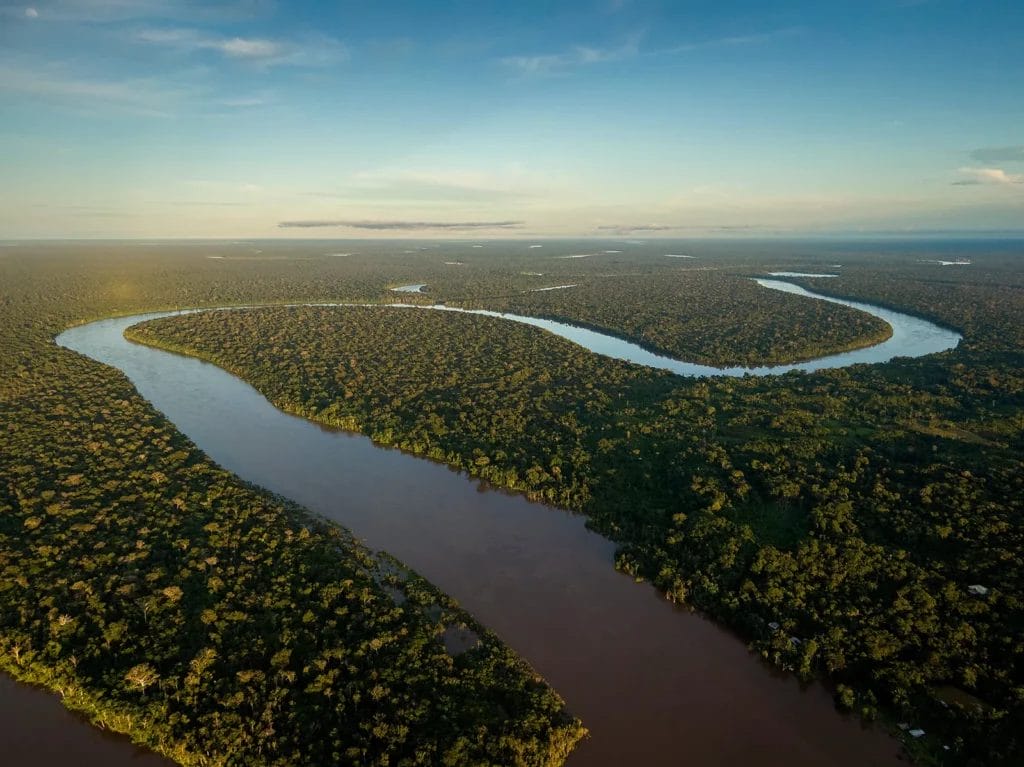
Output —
(655, 684)
(37, 731)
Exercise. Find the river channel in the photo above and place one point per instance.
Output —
(655, 684)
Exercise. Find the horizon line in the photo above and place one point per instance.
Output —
(881, 233)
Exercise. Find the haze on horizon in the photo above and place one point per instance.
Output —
(170, 118)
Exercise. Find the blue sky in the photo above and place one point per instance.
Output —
(162, 118)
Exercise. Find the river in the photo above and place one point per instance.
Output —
(655, 684)
(37, 731)
(911, 337)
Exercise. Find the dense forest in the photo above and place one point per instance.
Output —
(711, 317)
(702, 314)
(837, 520)
(163, 598)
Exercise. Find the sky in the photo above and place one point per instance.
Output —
(609, 118)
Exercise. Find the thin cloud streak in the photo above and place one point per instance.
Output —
(313, 52)
(581, 55)
(191, 39)
(137, 96)
(432, 185)
(731, 41)
(116, 11)
(630, 228)
(401, 225)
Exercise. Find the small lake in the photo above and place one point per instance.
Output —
(656, 684)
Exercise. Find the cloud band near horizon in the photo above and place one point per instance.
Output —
(401, 225)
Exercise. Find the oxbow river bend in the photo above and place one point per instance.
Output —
(655, 684)
(911, 337)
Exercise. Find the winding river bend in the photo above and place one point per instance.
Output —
(911, 337)
(656, 685)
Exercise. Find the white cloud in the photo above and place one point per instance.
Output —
(115, 11)
(993, 176)
(191, 40)
(311, 52)
(137, 96)
(580, 55)
(31, 13)
(238, 47)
